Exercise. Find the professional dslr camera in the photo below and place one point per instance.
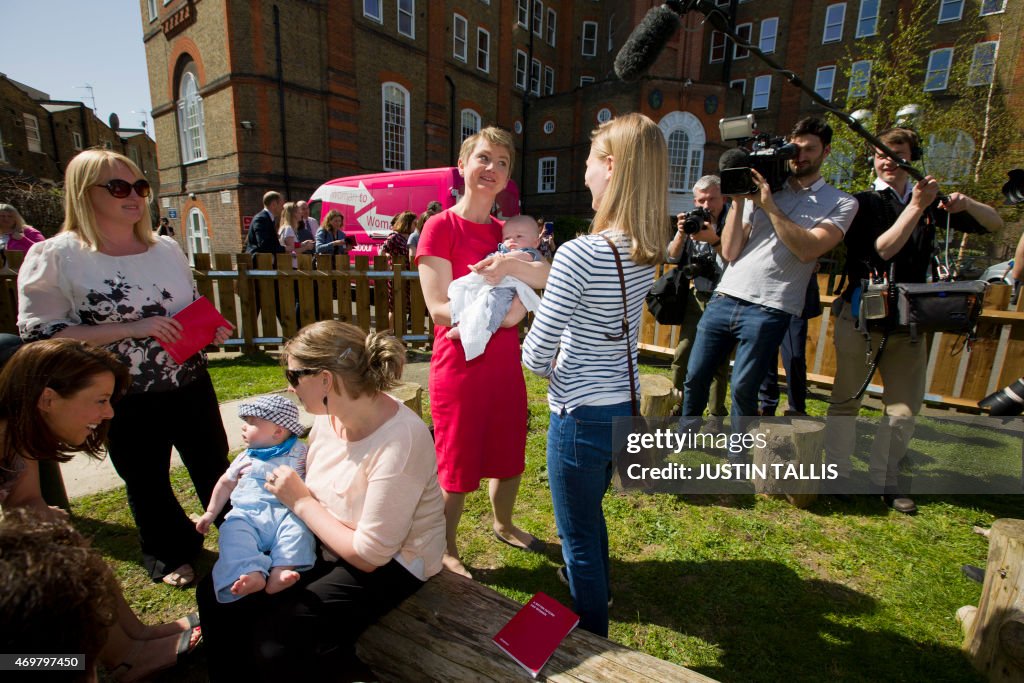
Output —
(693, 222)
(701, 266)
(767, 154)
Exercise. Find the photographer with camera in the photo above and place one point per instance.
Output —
(771, 241)
(695, 247)
(893, 234)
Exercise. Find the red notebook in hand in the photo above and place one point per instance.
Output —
(199, 321)
(536, 631)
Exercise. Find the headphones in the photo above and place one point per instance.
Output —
(916, 152)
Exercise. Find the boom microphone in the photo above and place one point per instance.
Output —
(646, 42)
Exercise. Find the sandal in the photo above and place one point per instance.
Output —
(188, 642)
(180, 577)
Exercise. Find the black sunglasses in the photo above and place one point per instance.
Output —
(293, 376)
(122, 188)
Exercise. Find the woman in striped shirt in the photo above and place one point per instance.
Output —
(569, 342)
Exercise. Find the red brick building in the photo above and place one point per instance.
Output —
(259, 95)
(256, 95)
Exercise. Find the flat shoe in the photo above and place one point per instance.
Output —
(188, 642)
(534, 546)
(180, 577)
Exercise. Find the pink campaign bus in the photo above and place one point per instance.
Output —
(369, 202)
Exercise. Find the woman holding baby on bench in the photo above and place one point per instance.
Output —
(370, 497)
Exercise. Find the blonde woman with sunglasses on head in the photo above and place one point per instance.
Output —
(109, 281)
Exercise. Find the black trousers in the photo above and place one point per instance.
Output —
(306, 632)
(144, 428)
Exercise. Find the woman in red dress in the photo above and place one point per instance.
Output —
(478, 407)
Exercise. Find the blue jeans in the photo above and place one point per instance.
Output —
(755, 331)
(794, 359)
(579, 471)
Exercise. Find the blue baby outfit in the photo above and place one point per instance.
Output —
(260, 532)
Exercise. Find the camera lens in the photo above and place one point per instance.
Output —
(1007, 401)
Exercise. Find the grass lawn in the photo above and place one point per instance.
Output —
(736, 587)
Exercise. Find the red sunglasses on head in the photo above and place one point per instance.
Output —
(122, 188)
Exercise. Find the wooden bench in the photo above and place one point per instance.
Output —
(444, 631)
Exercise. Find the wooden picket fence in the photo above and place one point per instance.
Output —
(954, 379)
(334, 288)
(324, 288)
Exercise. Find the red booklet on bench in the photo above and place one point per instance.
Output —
(199, 321)
(536, 631)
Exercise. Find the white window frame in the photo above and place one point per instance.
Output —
(588, 43)
(931, 72)
(766, 42)
(743, 85)
(549, 81)
(862, 16)
(3, 154)
(611, 32)
(469, 122)
(32, 137)
(860, 78)
(832, 23)
(686, 163)
(523, 13)
(459, 21)
(741, 29)
(483, 50)
(153, 10)
(825, 76)
(538, 18)
(552, 26)
(762, 92)
(719, 43)
(406, 9)
(375, 14)
(949, 155)
(535, 76)
(990, 66)
(521, 69)
(191, 118)
(1000, 10)
(547, 174)
(586, 80)
(958, 5)
(197, 234)
(399, 147)
(76, 140)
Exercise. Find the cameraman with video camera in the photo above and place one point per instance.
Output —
(893, 234)
(771, 241)
(695, 247)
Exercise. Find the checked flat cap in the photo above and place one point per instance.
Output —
(274, 408)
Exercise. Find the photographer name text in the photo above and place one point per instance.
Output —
(734, 472)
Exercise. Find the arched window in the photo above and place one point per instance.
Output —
(191, 126)
(685, 137)
(198, 239)
(395, 126)
(950, 155)
(470, 123)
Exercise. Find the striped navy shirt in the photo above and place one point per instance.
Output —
(582, 303)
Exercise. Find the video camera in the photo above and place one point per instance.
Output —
(767, 154)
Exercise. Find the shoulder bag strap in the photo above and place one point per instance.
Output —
(625, 325)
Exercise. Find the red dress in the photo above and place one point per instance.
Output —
(479, 407)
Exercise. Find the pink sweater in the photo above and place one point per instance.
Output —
(384, 487)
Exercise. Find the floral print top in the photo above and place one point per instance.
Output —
(63, 283)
